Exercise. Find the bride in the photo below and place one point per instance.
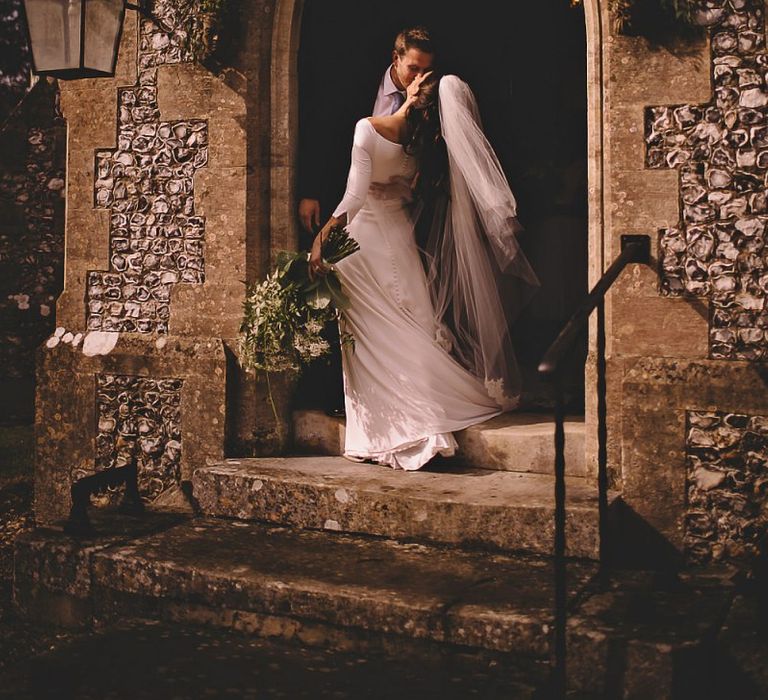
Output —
(432, 352)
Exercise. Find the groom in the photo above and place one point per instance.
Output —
(321, 180)
(412, 55)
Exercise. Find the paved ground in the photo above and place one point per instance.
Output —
(158, 661)
(17, 640)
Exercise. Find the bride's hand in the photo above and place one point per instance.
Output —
(317, 268)
(413, 89)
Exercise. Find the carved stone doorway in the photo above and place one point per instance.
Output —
(529, 66)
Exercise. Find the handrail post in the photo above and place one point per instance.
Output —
(634, 249)
(602, 437)
(561, 597)
(561, 583)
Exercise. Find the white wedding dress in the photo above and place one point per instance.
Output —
(405, 394)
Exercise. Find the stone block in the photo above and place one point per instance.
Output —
(643, 325)
(214, 307)
(664, 76)
(520, 442)
(88, 247)
(741, 643)
(644, 200)
(70, 436)
(470, 507)
(52, 582)
(656, 394)
(319, 434)
(473, 599)
(651, 638)
(630, 633)
(516, 442)
(91, 119)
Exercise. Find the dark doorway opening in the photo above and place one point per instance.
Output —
(527, 66)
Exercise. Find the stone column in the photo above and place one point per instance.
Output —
(159, 243)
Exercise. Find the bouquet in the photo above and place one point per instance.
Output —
(284, 315)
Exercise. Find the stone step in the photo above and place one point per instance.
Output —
(630, 634)
(518, 442)
(264, 579)
(464, 506)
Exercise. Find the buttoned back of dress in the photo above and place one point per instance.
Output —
(375, 159)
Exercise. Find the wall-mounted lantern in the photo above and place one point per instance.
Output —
(73, 39)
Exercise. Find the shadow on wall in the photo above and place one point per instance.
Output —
(635, 544)
(32, 160)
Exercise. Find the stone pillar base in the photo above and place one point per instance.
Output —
(163, 397)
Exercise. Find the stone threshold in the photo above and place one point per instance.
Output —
(518, 442)
(455, 505)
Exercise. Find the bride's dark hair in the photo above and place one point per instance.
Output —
(426, 142)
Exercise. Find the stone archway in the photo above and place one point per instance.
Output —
(286, 34)
(284, 142)
(284, 68)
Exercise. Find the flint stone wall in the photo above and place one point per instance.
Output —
(720, 149)
(727, 474)
(156, 240)
(139, 418)
(167, 398)
(165, 223)
(686, 161)
(14, 58)
(667, 356)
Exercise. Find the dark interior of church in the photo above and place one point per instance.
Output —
(526, 64)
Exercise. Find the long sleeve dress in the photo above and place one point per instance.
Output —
(404, 393)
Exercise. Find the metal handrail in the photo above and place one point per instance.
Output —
(634, 249)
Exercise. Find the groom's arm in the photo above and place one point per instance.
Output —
(313, 155)
(316, 114)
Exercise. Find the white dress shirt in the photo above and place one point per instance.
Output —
(389, 98)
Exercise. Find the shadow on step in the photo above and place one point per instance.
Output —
(633, 543)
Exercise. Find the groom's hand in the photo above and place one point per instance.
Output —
(398, 187)
(309, 214)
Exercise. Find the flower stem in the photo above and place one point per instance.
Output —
(278, 429)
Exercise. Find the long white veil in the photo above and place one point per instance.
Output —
(472, 251)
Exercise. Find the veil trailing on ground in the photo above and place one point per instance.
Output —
(472, 251)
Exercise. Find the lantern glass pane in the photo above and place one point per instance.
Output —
(103, 22)
(54, 29)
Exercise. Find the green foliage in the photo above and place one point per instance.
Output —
(680, 10)
(212, 6)
(660, 21)
(202, 23)
(284, 315)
